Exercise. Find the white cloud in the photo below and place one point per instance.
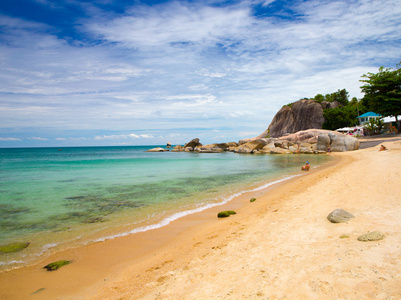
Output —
(9, 139)
(188, 65)
(38, 139)
(123, 136)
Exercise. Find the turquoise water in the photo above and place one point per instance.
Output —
(54, 197)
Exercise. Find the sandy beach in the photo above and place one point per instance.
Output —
(279, 247)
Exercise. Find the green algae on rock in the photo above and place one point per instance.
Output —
(56, 265)
(225, 214)
(13, 247)
(371, 236)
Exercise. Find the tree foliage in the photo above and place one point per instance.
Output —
(374, 126)
(342, 116)
(383, 92)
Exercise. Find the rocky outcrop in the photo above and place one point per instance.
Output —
(338, 142)
(193, 144)
(300, 115)
(311, 141)
(253, 146)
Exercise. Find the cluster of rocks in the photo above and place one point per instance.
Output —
(311, 141)
(341, 216)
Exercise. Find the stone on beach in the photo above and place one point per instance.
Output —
(56, 265)
(339, 216)
(225, 214)
(371, 236)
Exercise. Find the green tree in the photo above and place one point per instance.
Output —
(342, 116)
(383, 92)
(374, 126)
(341, 96)
(319, 98)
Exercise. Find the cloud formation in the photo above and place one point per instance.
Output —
(181, 69)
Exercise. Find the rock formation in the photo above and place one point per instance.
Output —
(192, 144)
(300, 115)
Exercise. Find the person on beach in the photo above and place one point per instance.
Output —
(382, 148)
(329, 149)
(306, 167)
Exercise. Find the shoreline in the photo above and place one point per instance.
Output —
(87, 271)
(122, 269)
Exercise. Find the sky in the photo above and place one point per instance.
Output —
(119, 72)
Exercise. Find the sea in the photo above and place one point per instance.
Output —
(55, 198)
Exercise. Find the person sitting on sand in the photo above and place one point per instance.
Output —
(329, 149)
(306, 167)
(382, 148)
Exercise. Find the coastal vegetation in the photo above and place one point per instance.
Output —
(382, 95)
(383, 92)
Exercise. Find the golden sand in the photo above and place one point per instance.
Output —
(280, 246)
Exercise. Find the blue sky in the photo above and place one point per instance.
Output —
(105, 72)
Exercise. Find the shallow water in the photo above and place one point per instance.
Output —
(54, 197)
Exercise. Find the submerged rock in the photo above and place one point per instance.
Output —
(339, 216)
(13, 247)
(56, 265)
(371, 236)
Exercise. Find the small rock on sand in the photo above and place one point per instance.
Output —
(371, 236)
(339, 216)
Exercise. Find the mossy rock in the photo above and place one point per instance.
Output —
(56, 265)
(252, 200)
(225, 214)
(13, 247)
(371, 236)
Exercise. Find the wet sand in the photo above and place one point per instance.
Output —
(280, 246)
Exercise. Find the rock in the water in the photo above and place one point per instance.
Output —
(157, 149)
(193, 143)
(56, 265)
(13, 247)
(371, 236)
(339, 216)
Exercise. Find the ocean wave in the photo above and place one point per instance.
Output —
(181, 214)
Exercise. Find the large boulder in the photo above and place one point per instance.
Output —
(193, 144)
(322, 138)
(252, 146)
(341, 142)
(300, 115)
